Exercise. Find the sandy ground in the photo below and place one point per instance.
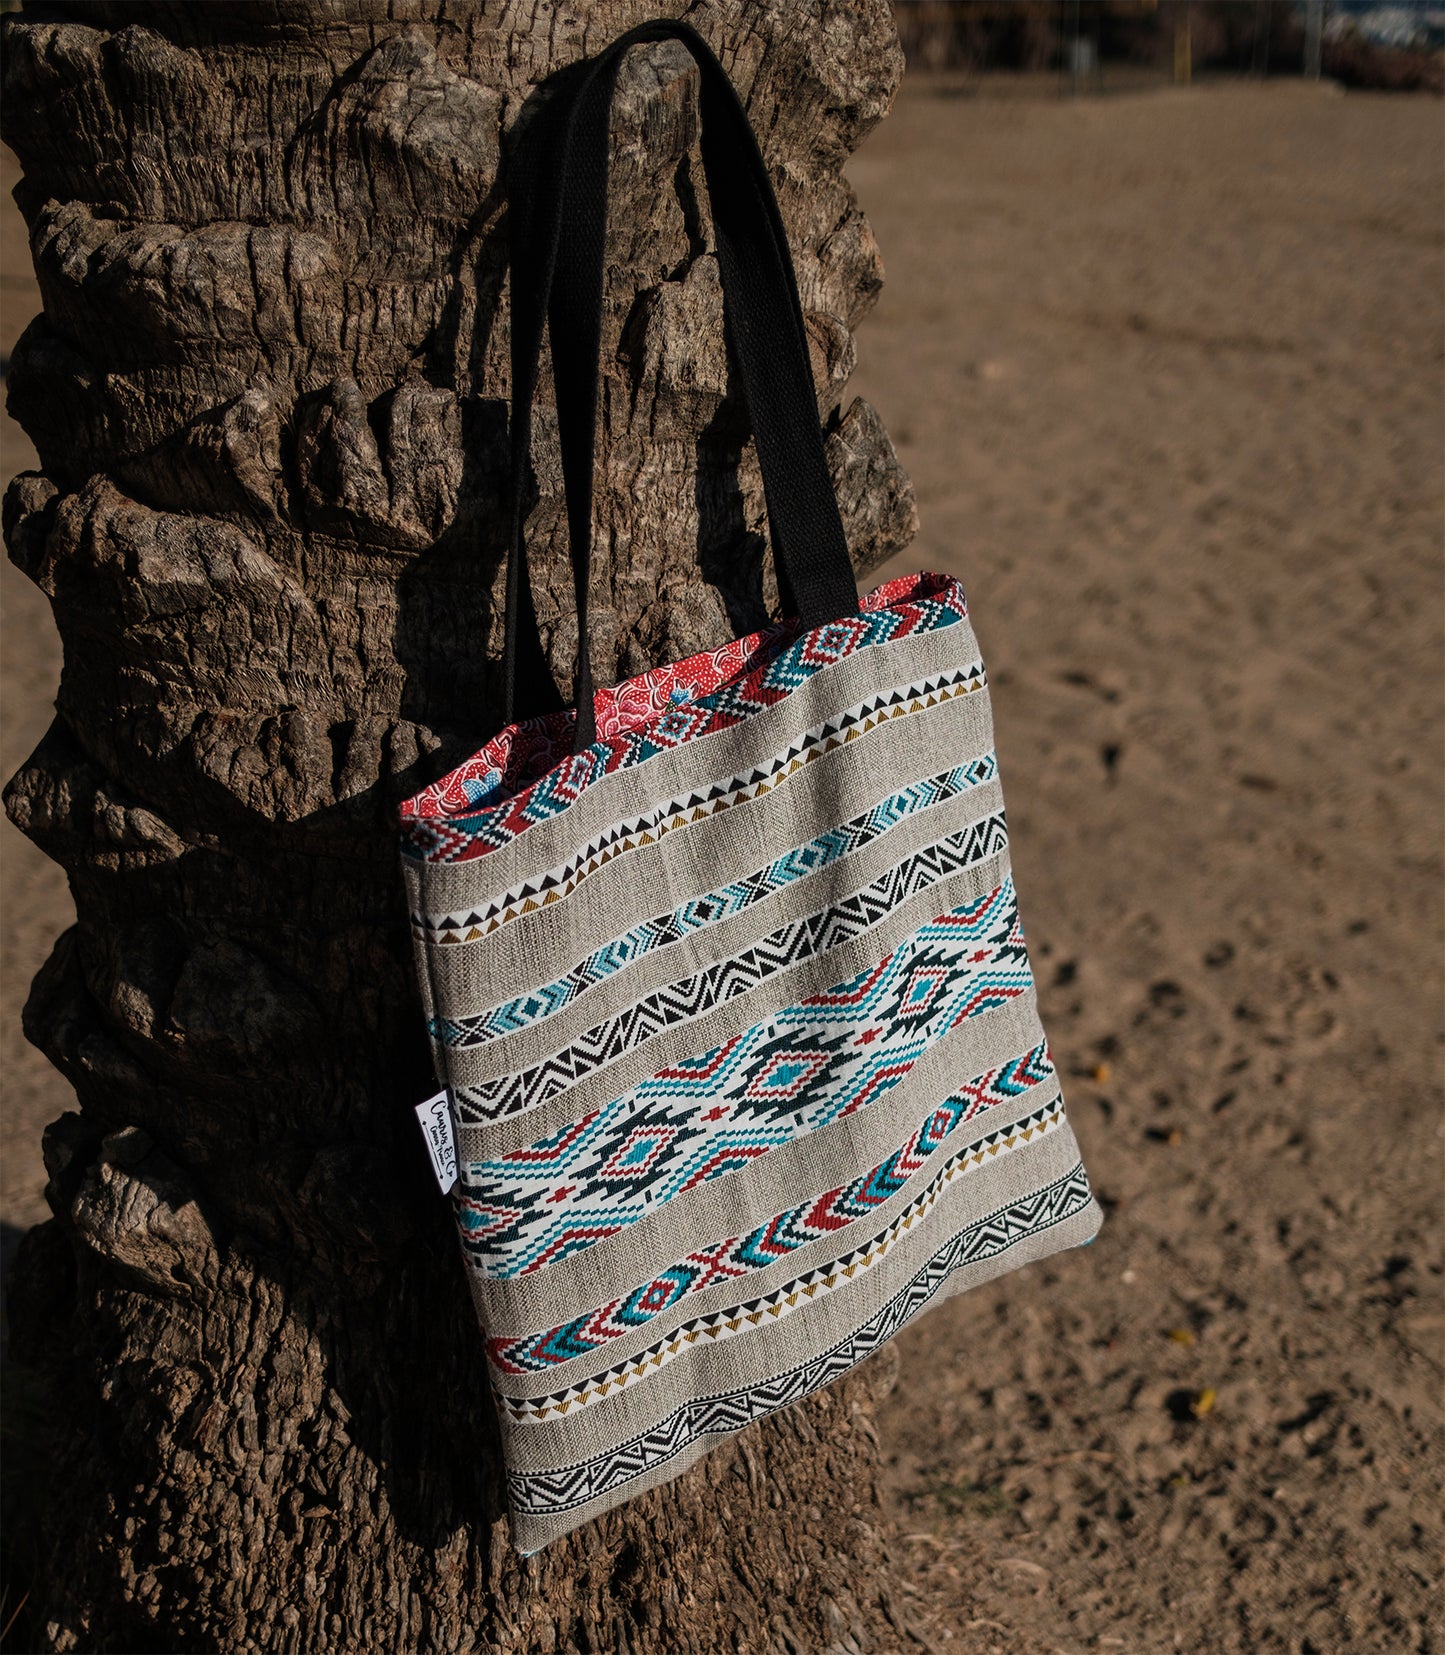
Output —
(1167, 371)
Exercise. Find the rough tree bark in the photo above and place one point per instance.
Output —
(268, 394)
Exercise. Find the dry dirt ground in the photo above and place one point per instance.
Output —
(1167, 371)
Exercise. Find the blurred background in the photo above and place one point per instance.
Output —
(1160, 345)
(1362, 43)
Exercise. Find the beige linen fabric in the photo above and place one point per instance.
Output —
(746, 1063)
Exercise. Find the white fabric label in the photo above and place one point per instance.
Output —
(435, 1119)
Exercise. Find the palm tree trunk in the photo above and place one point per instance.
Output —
(268, 394)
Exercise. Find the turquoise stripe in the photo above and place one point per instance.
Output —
(713, 907)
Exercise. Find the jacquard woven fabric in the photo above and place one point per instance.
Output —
(735, 1014)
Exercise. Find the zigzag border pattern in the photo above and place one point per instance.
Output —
(552, 1493)
(477, 923)
(710, 1116)
(712, 907)
(829, 1213)
(814, 934)
(460, 838)
(771, 1307)
(527, 750)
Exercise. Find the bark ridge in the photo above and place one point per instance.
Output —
(268, 394)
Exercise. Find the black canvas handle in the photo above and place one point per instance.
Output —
(563, 182)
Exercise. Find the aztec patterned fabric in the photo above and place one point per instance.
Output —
(736, 1020)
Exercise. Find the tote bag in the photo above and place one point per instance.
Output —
(724, 973)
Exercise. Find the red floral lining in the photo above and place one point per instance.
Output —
(520, 755)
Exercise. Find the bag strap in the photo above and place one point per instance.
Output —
(566, 183)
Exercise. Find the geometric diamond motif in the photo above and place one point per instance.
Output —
(787, 1074)
(780, 1080)
(820, 1215)
(637, 1154)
